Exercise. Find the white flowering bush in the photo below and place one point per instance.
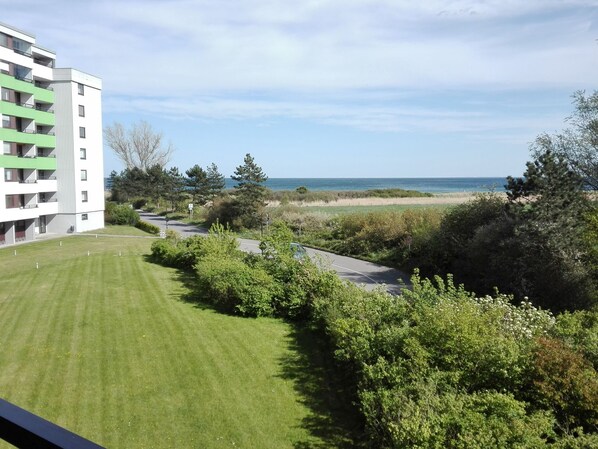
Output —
(523, 321)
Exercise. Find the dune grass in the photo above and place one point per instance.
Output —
(104, 345)
(344, 210)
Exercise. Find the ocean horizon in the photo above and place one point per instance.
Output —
(427, 185)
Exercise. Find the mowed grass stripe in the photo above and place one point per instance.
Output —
(103, 345)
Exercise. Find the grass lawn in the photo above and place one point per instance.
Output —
(105, 346)
(121, 230)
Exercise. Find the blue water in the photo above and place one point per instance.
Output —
(430, 185)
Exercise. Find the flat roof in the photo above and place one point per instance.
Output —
(25, 34)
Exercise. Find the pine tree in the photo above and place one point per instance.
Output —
(215, 182)
(198, 184)
(250, 191)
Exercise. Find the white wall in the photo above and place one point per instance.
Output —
(68, 145)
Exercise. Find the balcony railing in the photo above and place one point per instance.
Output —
(23, 429)
(38, 84)
(29, 206)
(21, 52)
(27, 181)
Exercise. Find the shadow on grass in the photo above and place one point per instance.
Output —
(325, 390)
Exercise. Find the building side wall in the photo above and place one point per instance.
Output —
(50, 194)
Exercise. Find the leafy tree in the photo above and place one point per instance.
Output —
(197, 182)
(250, 191)
(577, 145)
(140, 146)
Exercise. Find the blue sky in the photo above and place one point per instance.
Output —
(331, 88)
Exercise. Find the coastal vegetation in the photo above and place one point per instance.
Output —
(493, 345)
(436, 366)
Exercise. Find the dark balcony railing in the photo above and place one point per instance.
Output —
(23, 429)
(24, 78)
(41, 85)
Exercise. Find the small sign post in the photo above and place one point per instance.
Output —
(190, 210)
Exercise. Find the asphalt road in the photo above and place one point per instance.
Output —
(368, 274)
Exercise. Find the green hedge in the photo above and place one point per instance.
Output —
(147, 227)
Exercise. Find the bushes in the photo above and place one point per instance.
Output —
(435, 367)
(120, 214)
(438, 367)
(234, 286)
(147, 227)
(185, 253)
(489, 243)
(390, 237)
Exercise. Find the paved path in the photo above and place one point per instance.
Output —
(369, 274)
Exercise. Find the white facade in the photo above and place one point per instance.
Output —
(79, 150)
(51, 137)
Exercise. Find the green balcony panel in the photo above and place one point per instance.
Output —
(39, 94)
(41, 140)
(40, 117)
(39, 163)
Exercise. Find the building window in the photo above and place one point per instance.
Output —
(14, 201)
(7, 148)
(83, 217)
(81, 89)
(81, 110)
(5, 121)
(84, 196)
(83, 175)
(82, 153)
(5, 94)
(82, 132)
(9, 174)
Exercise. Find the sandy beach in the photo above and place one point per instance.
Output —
(444, 198)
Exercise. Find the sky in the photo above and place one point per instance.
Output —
(330, 88)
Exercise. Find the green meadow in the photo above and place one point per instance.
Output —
(111, 346)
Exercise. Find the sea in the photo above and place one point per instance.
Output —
(428, 185)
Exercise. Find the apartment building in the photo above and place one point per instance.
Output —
(51, 135)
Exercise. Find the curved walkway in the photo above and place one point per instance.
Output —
(370, 275)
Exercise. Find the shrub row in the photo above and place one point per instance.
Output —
(148, 227)
(434, 367)
(438, 367)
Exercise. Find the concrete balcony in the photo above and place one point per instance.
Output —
(27, 111)
(39, 93)
(19, 188)
(27, 212)
(48, 208)
(47, 185)
(39, 163)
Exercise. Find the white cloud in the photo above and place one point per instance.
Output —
(203, 59)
